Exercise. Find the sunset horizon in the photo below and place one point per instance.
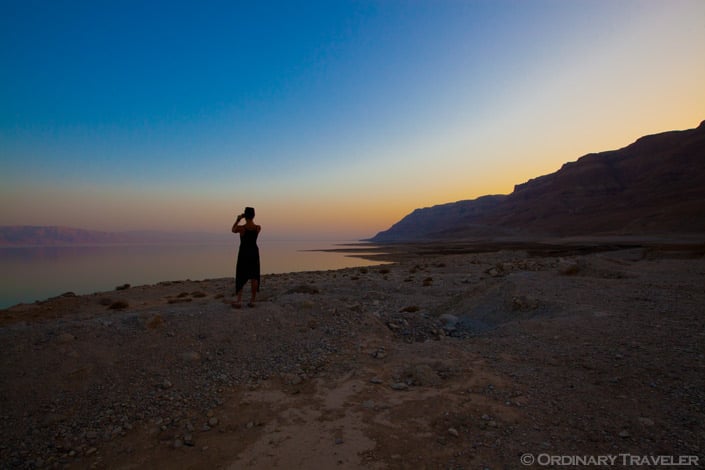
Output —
(333, 121)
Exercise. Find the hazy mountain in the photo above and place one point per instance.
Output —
(24, 235)
(654, 186)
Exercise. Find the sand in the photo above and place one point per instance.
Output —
(446, 358)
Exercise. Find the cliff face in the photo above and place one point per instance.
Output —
(431, 220)
(655, 185)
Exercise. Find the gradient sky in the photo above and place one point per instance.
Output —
(334, 119)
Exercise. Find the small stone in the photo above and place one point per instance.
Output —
(624, 434)
(646, 421)
(65, 338)
(379, 354)
(304, 289)
(178, 443)
(191, 356)
(393, 326)
(453, 432)
(213, 422)
(448, 319)
(424, 375)
(375, 380)
(118, 305)
(400, 386)
(568, 268)
(154, 322)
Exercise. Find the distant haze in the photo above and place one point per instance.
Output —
(28, 236)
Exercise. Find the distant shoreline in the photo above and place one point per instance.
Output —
(35, 273)
(397, 251)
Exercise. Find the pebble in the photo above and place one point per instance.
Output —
(379, 354)
(191, 356)
(400, 386)
(646, 421)
(453, 432)
(448, 319)
(65, 338)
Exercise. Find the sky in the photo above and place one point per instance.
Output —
(334, 119)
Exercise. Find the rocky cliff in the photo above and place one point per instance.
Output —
(654, 186)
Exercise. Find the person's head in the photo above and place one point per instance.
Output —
(249, 213)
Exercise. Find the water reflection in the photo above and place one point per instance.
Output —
(28, 274)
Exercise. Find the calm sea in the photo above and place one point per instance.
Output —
(37, 273)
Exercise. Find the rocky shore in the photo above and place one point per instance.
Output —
(463, 358)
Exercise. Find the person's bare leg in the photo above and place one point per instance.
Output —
(238, 302)
(255, 285)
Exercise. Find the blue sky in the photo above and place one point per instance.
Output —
(334, 119)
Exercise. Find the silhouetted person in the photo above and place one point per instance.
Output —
(247, 256)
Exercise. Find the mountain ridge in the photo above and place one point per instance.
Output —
(655, 185)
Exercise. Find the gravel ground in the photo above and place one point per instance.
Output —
(457, 360)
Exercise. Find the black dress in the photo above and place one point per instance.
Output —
(247, 259)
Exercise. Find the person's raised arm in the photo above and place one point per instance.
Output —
(237, 228)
